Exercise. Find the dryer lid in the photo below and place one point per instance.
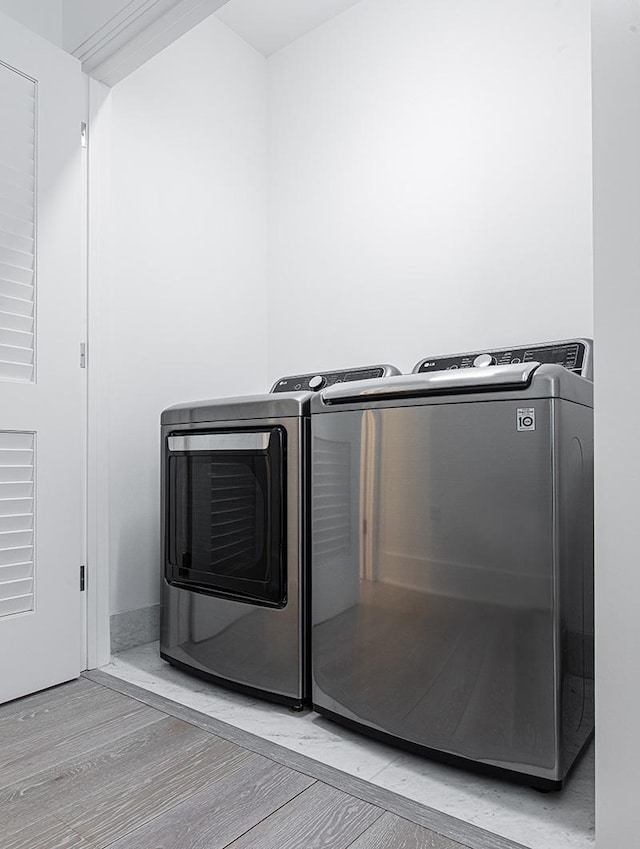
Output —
(240, 408)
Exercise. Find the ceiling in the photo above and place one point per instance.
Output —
(269, 25)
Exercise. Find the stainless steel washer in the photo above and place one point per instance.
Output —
(234, 529)
(453, 596)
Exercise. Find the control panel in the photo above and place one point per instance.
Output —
(573, 354)
(321, 379)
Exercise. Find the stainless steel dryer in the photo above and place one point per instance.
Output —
(234, 530)
(453, 595)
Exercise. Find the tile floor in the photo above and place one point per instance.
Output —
(541, 821)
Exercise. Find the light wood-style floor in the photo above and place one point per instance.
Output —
(84, 766)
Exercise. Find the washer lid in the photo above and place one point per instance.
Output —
(434, 383)
(499, 382)
(240, 408)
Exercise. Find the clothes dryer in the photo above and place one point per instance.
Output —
(235, 587)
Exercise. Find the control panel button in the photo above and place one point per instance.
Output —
(317, 382)
(484, 360)
(515, 360)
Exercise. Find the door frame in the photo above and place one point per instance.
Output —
(98, 633)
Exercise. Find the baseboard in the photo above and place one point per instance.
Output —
(134, 628)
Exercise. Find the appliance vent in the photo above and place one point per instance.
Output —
(331, 498)
(17, 455)
(17, 224)
(234, 519)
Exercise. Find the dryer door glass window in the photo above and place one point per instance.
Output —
(225, 514)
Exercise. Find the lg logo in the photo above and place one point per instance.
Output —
(526, 418)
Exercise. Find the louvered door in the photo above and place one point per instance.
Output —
(41, 388)
(17, 224)
(17, 455)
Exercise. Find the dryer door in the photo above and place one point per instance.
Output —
(224, 503)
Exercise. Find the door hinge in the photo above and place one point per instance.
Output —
(83, 134)
(82, 578)
(83, 355)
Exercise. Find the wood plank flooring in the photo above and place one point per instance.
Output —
(85, 767)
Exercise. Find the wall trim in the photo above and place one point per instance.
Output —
(139, 31)
(135, 628)
(98, 531)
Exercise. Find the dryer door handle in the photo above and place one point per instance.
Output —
(241, 441)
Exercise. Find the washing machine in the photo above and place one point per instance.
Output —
(235, 587)
(452, 609)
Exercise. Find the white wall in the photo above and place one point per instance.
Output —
(616, 112)
(41, 16)
(429, 191)
(430, 174)
(188, 271)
